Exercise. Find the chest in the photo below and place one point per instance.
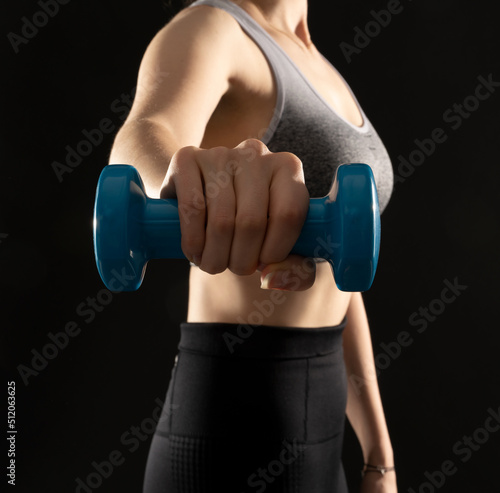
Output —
(328, 83)
(248, 107)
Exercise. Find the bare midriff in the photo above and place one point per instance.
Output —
(228, 298)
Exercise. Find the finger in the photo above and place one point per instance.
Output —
(221, 209)
(288, 206)
(252, 200)
(184, 182)
(295, 273)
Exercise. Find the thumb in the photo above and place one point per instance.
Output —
(295, 273)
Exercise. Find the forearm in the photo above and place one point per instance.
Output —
(364, 405)
(148, 146)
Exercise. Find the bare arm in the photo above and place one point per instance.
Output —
(180, 83)
(364, 405)
(188, 68)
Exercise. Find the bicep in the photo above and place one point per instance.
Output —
(185, 72)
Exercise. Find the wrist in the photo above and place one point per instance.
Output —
(382, 470)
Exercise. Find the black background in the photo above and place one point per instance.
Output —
(442, 224)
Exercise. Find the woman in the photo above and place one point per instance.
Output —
(239, 117)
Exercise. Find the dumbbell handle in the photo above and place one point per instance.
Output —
(162, 232)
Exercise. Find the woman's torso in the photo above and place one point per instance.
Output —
(253, 93)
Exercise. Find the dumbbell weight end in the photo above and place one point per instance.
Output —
(130, 228)
(344, 228)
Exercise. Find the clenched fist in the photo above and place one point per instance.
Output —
(240, 209)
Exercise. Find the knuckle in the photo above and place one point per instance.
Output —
(190, 207)
(195, 201)
(292, 216)
(216, 155)
(256, 145)
(184, 153)
(251, 223)
(291, 160)
(222, 224)
(191, 244)
(292, 163)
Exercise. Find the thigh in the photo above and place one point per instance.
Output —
(180, 464)
(321, 469)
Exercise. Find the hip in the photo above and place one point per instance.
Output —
(285, 383)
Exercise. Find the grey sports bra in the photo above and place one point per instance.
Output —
(305, 124)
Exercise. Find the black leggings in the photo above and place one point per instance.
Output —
(252, 409)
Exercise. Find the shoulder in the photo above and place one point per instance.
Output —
(199, 38)
(204, 23)
(209, 39)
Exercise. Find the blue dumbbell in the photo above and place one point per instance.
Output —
(130, 228)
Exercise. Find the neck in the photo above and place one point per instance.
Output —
(287, 16)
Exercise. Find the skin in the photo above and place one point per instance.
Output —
(241, 206)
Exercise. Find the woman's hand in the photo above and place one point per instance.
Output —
(241, 209)
(374, 482)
